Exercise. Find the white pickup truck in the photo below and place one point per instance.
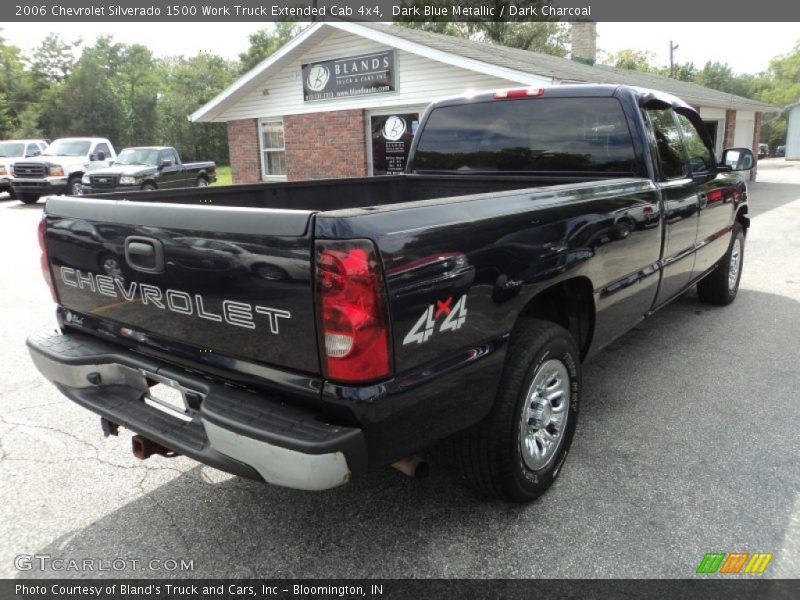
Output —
(10, 151)
(60, 167)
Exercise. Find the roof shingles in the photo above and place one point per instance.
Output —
(566, 70)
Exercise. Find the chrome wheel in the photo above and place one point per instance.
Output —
(202, 182)
(734, 264)
(75, 187)
(544, 416)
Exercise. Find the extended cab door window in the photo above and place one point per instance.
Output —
(668, 142)
(700, 157)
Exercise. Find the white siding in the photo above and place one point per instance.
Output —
(745, 125)
(793, 134)
(420, 81)
(712, 114)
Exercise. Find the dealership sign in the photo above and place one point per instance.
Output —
(362, 75)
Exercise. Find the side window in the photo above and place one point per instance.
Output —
(668, 141)
(164, 155)
(103, 147)
(32, 150)
(173, 156)
(273, 151)
(700, 157)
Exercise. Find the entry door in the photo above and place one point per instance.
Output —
(717, 191)
(391, 141)
(172, 176)
(681, 204)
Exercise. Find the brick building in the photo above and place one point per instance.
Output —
(343, 99)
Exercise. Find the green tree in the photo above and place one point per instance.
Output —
(266, 41)
(779, 86)
(720, 76)
(14, 87)
(633, 60)
(52, 61)
(188, 83)
(87, 102)
(138, 85)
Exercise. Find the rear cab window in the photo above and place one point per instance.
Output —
(541, 135)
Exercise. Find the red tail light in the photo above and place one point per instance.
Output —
(44, 261)
(352, 311)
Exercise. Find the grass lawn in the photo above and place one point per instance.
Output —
(223, 175)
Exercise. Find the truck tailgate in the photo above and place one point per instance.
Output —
(231, 281)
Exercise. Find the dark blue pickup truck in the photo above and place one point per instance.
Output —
(148, 168)
(307, 332)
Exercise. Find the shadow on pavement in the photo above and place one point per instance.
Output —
(687, 444)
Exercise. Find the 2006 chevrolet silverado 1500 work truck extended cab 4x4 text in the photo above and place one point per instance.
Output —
(303, 333)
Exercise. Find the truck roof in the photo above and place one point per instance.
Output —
(572, 90)
(82, 137)
(25, 141)
(148, 148)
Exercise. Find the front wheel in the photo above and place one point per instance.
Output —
(74, 187)
(722, 284)
(201, 182)
(517, 452)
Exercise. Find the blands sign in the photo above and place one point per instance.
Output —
(362, 75)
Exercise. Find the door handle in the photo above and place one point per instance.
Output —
(144, 254)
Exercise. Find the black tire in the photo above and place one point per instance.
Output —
(11, 194)
(490, 453)
(74, 187)
(201, 182)
(148, 187)
(29, 198)
(719, 287)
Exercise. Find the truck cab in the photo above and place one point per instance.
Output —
(60, 167)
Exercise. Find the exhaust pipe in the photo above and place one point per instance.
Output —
(144, 448)
(413, 466)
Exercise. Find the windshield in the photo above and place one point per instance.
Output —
(12, 149)
(68, 148)
(138, 156)
(529, 135)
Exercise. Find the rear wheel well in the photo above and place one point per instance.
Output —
(569, 304)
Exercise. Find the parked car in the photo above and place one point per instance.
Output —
(532, 228)
(763, 150)
(148, 168)
(60, 167)
(780, 151)
(14, 149)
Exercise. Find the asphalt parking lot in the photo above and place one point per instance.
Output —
(687, 443)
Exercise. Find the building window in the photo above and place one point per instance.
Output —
(273, 152)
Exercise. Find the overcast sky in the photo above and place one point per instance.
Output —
(747, 47)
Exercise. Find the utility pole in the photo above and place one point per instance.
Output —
(672, 48)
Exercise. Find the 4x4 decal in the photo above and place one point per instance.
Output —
(454, 318)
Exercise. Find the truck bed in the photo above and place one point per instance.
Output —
(338, 194)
